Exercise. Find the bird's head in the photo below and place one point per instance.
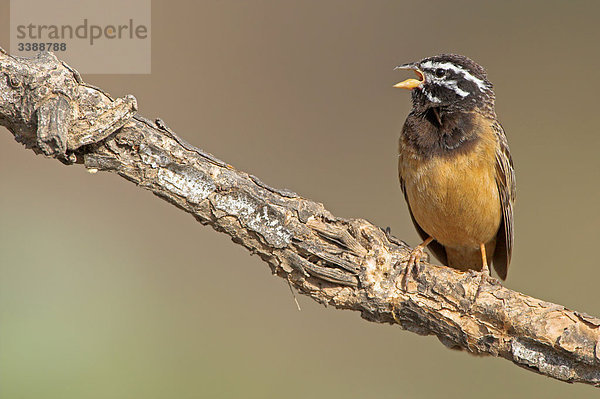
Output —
(449, 81)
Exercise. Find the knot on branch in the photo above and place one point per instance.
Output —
(46, 97)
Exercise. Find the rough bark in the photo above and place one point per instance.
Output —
(346, 263)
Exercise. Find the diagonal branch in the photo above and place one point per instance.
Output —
(347, 263)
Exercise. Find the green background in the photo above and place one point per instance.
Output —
(108, 292)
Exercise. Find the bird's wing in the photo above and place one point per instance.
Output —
(436, 248)
(505, 180)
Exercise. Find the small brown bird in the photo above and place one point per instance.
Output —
(455, 167)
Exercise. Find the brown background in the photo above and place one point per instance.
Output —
(108, 292)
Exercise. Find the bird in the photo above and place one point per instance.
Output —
(455, 167)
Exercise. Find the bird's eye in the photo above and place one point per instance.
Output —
(440, 72)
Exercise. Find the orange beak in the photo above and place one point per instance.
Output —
(410, 84)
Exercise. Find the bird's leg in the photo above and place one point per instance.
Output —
(415, 256)
(485, 270)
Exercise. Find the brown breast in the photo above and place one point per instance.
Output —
(453, 195)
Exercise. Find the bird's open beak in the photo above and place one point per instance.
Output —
(410, 84)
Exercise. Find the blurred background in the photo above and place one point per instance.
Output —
(108, 292)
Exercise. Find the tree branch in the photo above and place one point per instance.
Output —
(347, 263)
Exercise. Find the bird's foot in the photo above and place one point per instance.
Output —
(415, 257)
(391, 238)
(485, 278)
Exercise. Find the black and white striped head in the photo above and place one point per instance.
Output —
(450, 81)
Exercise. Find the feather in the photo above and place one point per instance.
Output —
(505, 180)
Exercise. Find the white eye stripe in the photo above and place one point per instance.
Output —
(455, 68)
